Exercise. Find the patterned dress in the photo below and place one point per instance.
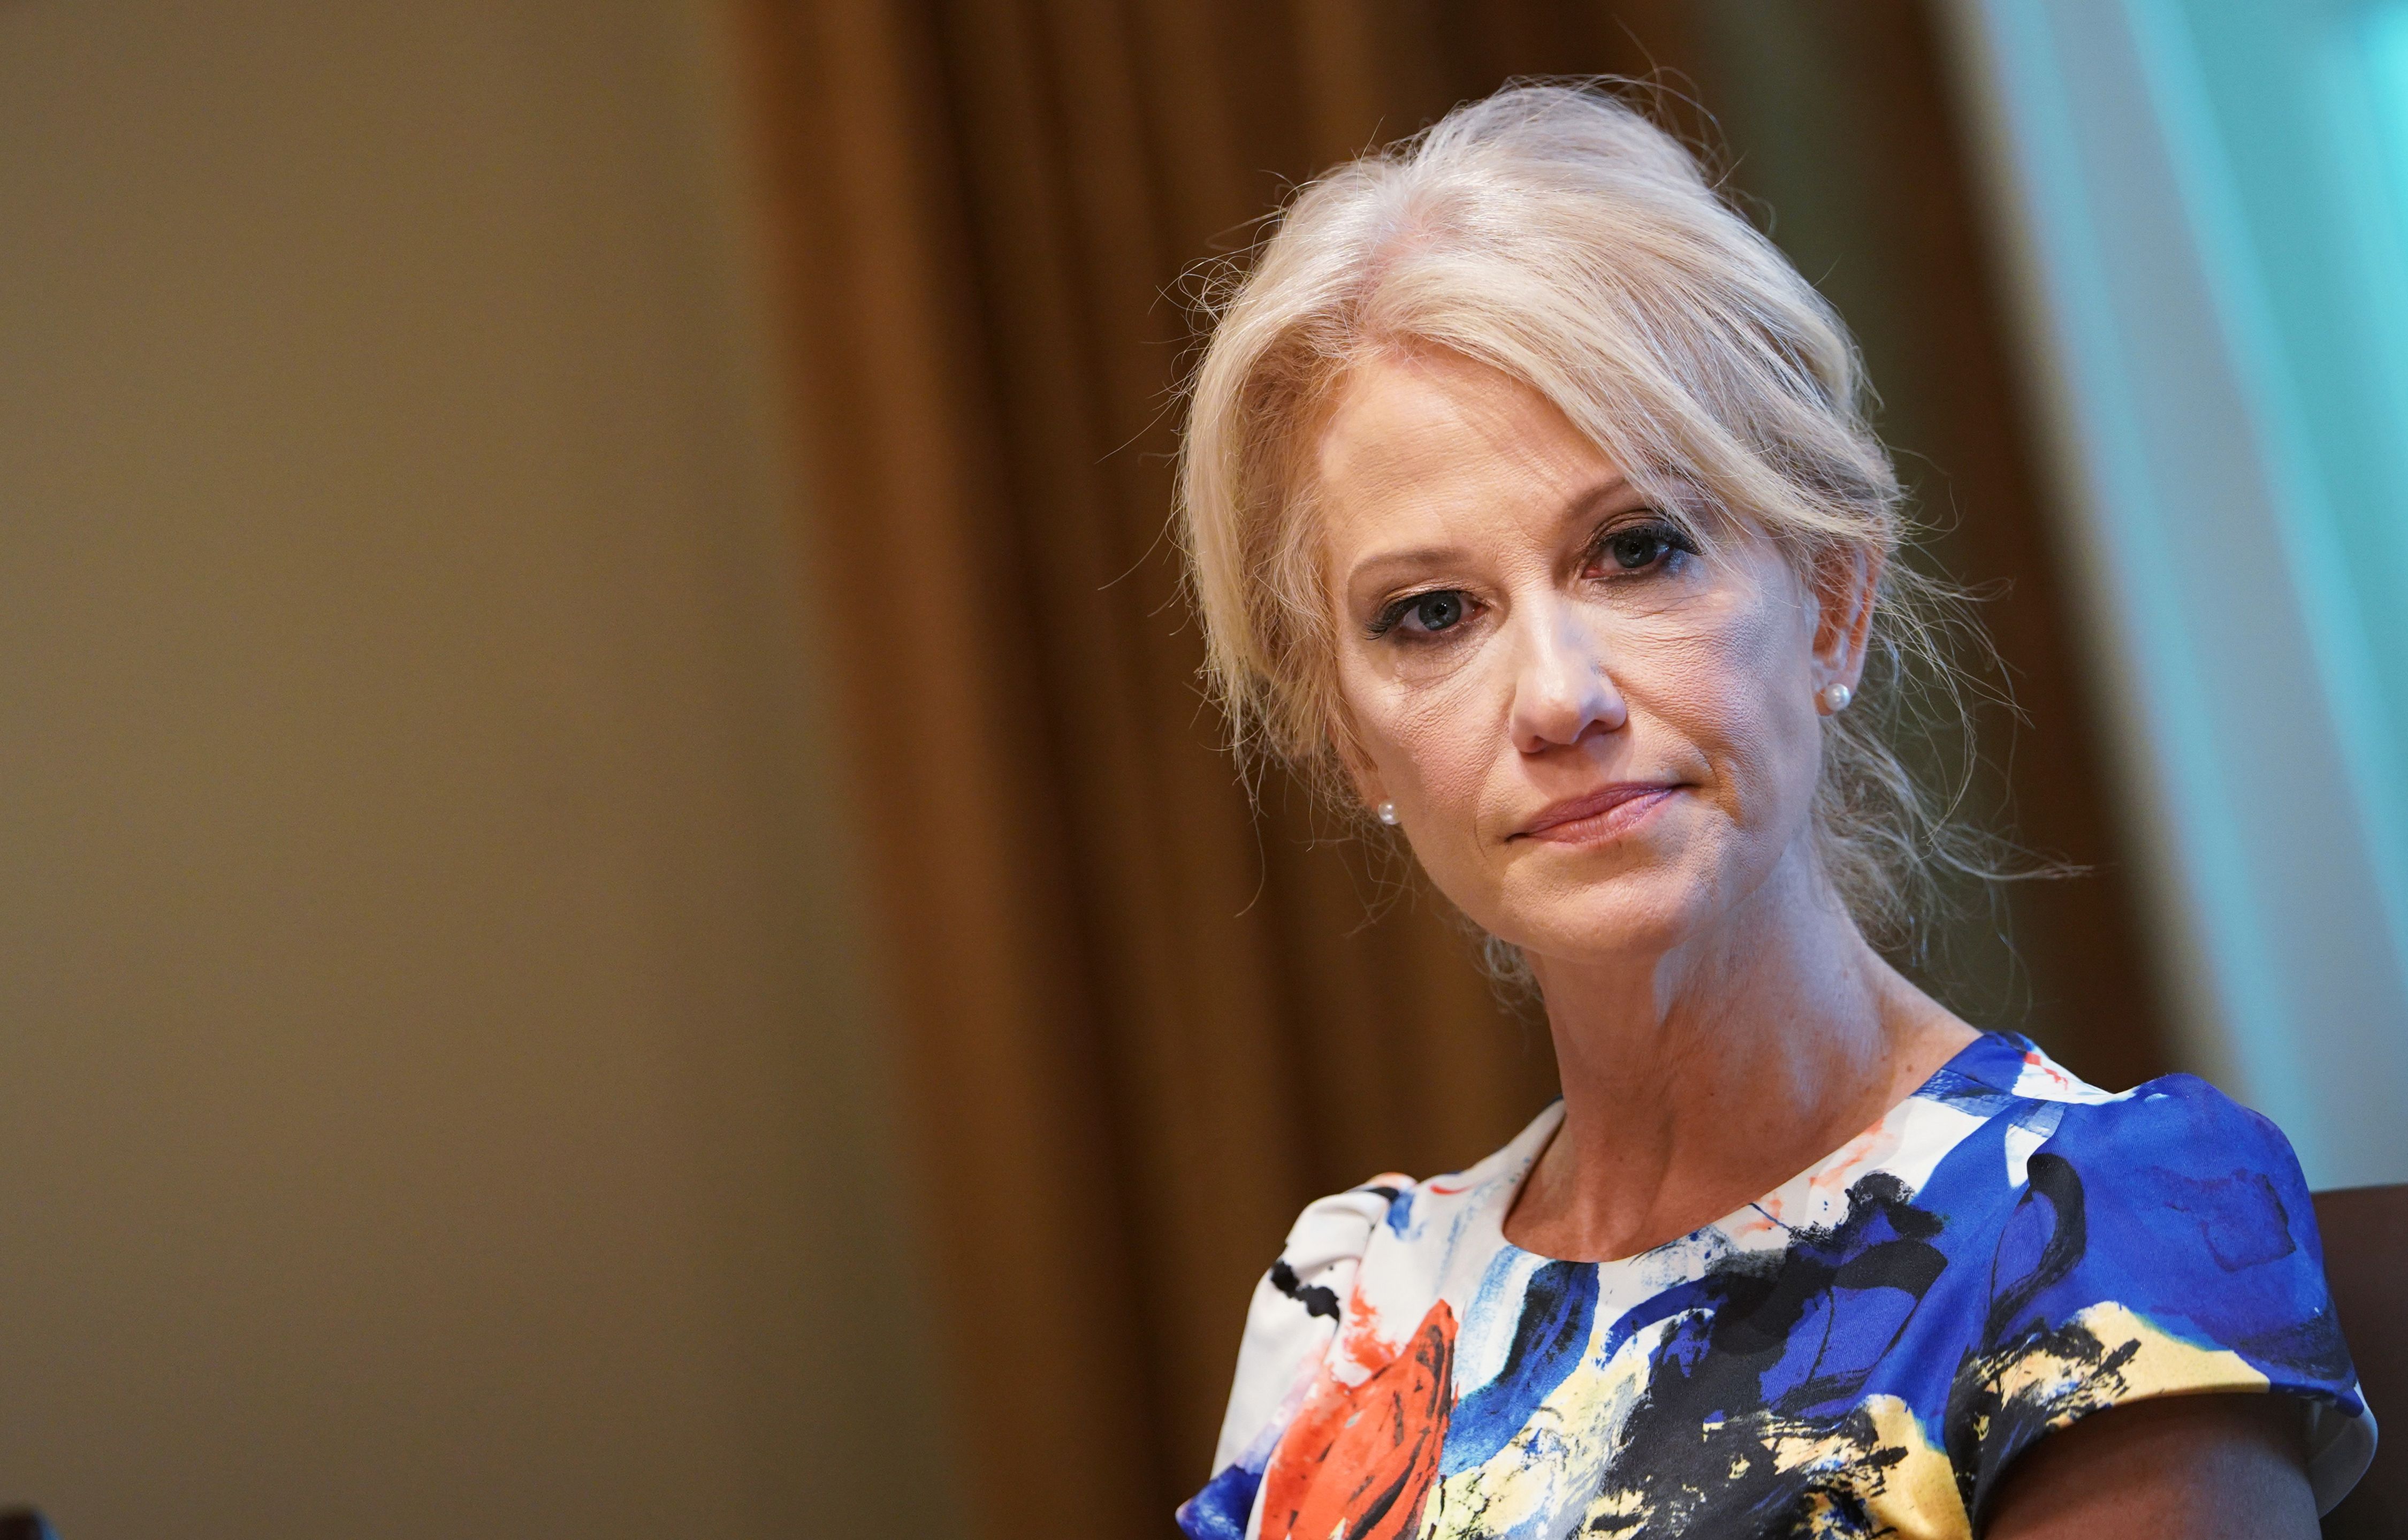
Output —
(1862, 1352)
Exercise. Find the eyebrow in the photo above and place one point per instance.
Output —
(1581, 508)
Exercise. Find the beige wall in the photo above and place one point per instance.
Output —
(437, 1090)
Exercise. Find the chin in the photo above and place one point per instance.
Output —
(1608, 918)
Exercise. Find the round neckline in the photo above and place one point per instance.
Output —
(1550, 1123)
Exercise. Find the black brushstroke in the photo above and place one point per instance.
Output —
(1316, 1300)
(1700, 1454)
(2054, 1181)
(1986, 1430)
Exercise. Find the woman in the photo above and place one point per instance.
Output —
(1532, 507)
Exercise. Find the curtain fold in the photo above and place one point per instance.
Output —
(1143, 1021)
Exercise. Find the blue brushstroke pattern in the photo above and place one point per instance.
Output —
(2172, 1203)
(1220, 1511)
(1558, 1310)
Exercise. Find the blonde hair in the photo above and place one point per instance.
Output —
(1553, 232)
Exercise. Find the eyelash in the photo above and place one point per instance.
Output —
(1668, 536)
(1669, 542)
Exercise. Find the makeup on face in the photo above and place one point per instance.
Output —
(1577, 716)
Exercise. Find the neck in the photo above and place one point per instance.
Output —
(1699, 1078)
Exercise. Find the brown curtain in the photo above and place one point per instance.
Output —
(1145, 1022)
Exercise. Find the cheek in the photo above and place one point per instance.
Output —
(1739, 689)
(1432, 739)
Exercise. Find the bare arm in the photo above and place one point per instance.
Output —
(2216, 1467)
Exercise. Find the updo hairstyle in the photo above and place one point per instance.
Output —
(1555, 234)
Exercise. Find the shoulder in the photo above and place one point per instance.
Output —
(1349, 1259)
(2195, 1215)
(2177, 1182)
(1301, 1303)
(2176, 1123)
(1316, 1267)
(1353, 1253)
(2169, 1151)
(1406, 1225)
(2132, 1246)
(2170, 1200)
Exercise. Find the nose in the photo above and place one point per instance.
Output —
(1562, 692)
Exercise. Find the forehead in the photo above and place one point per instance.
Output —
(1430, 423)
(1429, 453)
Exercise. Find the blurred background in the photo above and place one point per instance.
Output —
(618, 906)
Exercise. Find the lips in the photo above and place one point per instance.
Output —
(1598, 814)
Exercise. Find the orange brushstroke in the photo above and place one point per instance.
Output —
(1358, 1461)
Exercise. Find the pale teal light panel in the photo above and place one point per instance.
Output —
(2209, 201)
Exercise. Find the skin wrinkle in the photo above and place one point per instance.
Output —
(1697, 964)
(1719, 1021)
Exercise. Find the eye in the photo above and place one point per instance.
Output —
(1436, 611)
(1638, 547)
(1425, 614)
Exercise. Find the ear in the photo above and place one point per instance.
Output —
(1845, 585)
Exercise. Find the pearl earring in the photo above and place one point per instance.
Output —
(1834, 699)
(1386, 813)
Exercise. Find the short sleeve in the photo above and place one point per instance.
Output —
(2160, 1244)
(1297, 1310)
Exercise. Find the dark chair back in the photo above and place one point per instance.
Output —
(2366, 1258)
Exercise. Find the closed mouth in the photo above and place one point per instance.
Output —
(1602, 812)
